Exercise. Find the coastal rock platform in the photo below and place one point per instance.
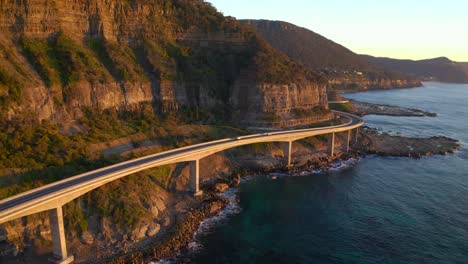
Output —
(363, 108)
(373, 141)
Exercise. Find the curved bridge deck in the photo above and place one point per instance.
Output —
(53, 196)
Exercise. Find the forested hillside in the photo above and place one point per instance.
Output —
(345, 69)
(437, 69)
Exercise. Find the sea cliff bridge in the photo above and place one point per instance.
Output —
(53, 196)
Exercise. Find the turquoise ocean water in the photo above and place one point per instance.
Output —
(375, 210)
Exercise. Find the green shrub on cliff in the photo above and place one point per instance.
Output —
(215, 68)
(36, 146)
(122, 201)
(160, 175)
(120, 61)
(157, 56)
(111, 124)
(74, 217)
(60, 61)
(10, 89)
(37, 52)
(345, 107)
(316, 111)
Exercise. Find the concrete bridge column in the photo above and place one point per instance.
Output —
(288, 153)
(356, 134)
(331, 144)
(348, 139)
(59, 244)
(195, 177)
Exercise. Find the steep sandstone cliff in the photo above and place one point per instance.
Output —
(368, 81)
(279, 105)
(61, 57)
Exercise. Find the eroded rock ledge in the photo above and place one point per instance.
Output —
(363, 108)
(373, 141)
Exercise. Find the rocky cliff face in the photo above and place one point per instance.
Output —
(280, 105)
(61, 57)
(364, 83)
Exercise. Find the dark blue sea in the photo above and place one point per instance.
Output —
(374, 210)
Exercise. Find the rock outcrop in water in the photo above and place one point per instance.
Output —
(364, 108)
(373, 141)
(59, 58)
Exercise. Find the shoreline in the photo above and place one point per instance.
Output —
(213, 203)
(179, 240)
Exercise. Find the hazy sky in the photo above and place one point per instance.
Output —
(406, 29)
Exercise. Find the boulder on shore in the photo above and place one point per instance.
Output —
(153, 229)
(87, 238)
(221, 187)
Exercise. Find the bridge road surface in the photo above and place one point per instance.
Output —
(57, 194)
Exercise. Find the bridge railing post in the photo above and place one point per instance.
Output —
(59, 244)
(331, 144)
(195, 177)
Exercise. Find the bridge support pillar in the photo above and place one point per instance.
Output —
(195, 177)
(331, 144)
(356, 134)
(288, 153)
(348, 139)
(59, 244)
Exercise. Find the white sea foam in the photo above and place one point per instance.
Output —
(340, 165)
(164, 261)
(207, 225)
(332, 167)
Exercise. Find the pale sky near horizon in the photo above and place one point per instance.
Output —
(403, 29)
